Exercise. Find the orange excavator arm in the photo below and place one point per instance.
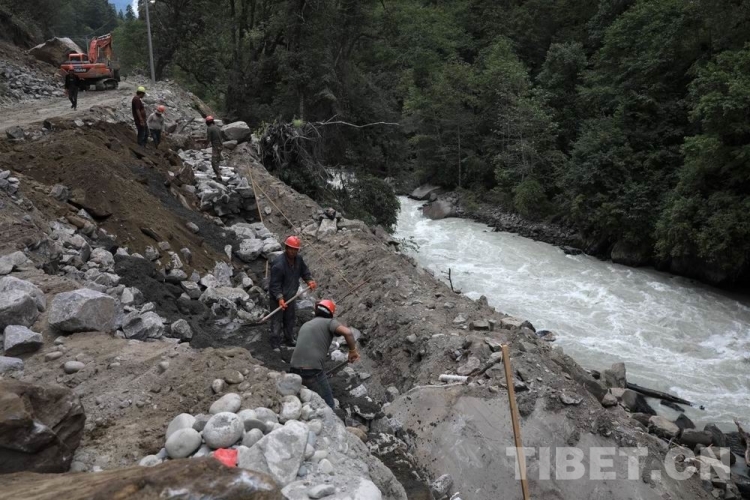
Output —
(100, 49)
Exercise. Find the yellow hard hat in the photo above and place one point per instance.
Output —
(141, 89)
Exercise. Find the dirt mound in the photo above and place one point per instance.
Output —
(123, 187)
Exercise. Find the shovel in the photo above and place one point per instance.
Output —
(336, 368)
(269, 315)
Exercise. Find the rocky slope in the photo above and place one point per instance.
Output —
(131, 274)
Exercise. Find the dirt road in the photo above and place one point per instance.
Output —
(27, 113)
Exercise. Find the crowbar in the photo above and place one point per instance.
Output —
(269, 315)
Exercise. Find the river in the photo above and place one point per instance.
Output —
(672, 333)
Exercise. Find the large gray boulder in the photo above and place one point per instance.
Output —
(20, 340)
(17, 308)
(250, 249)
(148, 325)
(82, 310)
(439, 209)
(279, 454)
(222, 293)
(55, 51)
(40, 427)
(13, 262)
(9, 364)
(424, 192)
(616, 376)
(237, 131)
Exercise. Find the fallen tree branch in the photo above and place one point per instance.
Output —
(658, 394)
(358, 126)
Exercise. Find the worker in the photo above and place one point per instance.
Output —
(71, 88)
(214, 138)
(139, 115)
(286, 271)
(315, 338)
(155, 124)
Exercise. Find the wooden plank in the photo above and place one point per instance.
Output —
(515, 418)
(658, 394)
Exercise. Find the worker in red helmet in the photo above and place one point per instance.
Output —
(286, 271)
(155, 124)
(217, 145)
(315, 338)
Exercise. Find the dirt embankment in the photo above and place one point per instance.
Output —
(415, 329)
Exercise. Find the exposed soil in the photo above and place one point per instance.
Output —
(119, 184)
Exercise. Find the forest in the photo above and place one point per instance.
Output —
(628, 119)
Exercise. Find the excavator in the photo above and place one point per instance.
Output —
(98, 68)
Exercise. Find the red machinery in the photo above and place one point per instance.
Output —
(99, 67)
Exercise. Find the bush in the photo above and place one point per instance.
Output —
(371, 200)
(529, 198)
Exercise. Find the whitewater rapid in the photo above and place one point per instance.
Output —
(673, 334)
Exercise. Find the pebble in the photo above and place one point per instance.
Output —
(309, 451)
(325, 466)
(251, 437)
(305, 395)
(319, 455)
(321, 490)
(73, 366)
(266, 415)
(315, 426)
(291, 408)
(51, 356)
(163, 366)
(227, 403)
(217, 386)
(233, 377)
(59, 340)
(307, 412)
(149, 461)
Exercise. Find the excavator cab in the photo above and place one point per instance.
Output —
(98, 68)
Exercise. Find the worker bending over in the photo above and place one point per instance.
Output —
(155, 124)
(286, 271)
(314, 340)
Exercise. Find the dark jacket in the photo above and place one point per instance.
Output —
(71, 80)
(214, 136)
(285, 278)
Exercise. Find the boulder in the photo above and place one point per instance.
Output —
(219, 294)
(663, 427)
(693, 437)
(615, 376)
(250, 249)
(40, 428)
(17, 261)
(148, 325)
(191, 289)
(280, 453)
(181, 421)
(289, 384)
(291, 408)
(9, 364)
(15, 134)
(11, 283)
(439, 209)
(228, 403)
(183, 442)
(21, 340)
(17, 308)
(718, 437)
(196, 478)
(181, 329)
(635, 402)
(352, 225)
(55, 51)
(424, 192)
(223, 430)
(237, 131)
(60, 192)
(327, 227)
(82, 310)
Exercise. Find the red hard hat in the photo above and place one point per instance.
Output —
(293, 242)
(161, 109)
(328, 305)
(209, 119)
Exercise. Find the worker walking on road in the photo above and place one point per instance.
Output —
(139, 115)
(315, 338)
(155, 124)
(71, 88)
(214, 138)
(286, 271)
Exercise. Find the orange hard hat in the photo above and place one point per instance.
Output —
(161, 109)
(209, 119)
(293, 242)
(328, 305)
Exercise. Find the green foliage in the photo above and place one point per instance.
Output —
(371, 200)
(529, 198)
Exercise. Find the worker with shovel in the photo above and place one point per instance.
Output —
(286, 271)
(315, 338)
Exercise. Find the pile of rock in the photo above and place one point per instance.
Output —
(303, 446)
(232, 196)
(8, 183)
(21, 302)
(22, 83)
